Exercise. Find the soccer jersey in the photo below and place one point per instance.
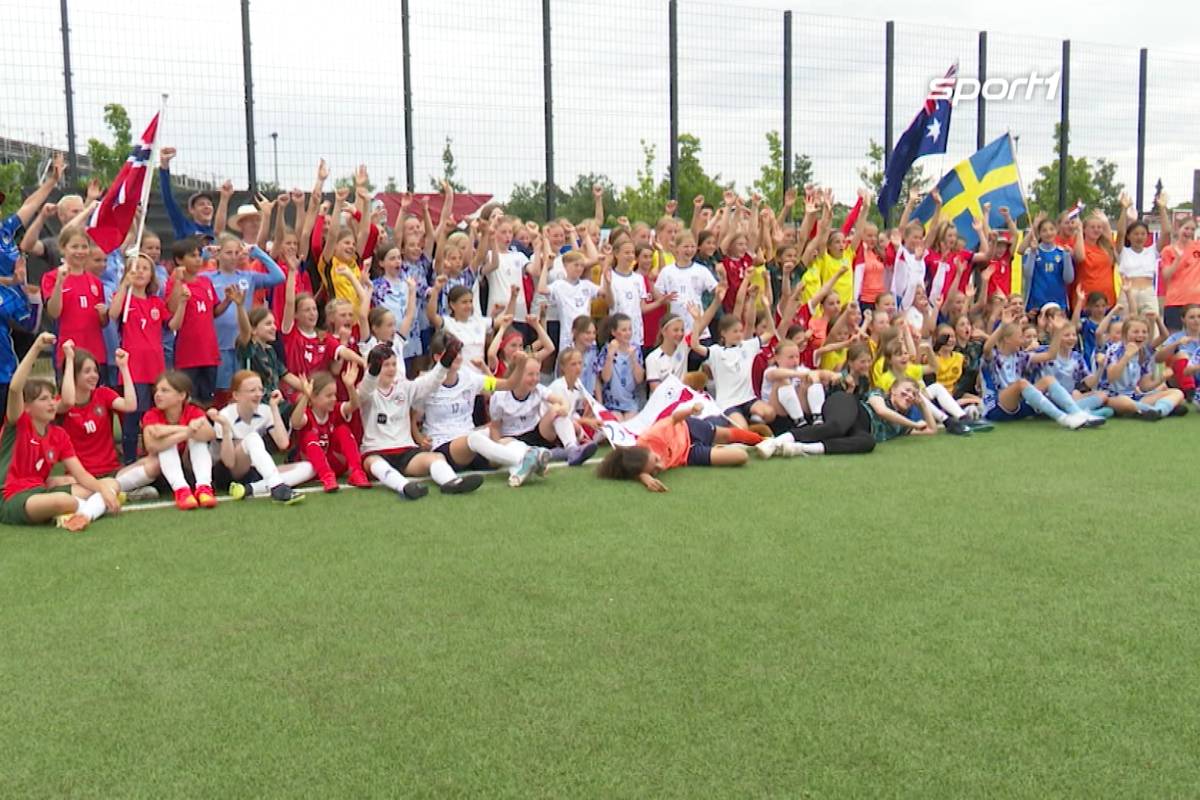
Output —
(472, 333)
(307, 354)
(26, 456)
(79, 320)
(575, 398)
(1000, 370)
(261, 422)
(264, 361)
(571, 300)
(689, 282)
(449, 409)
(883, 430)
(669, 440)
(659, 365)
(15, 312)
(9, 251)
(1048, 277)
(387, 423)
(1001, 280)
(155, 416)
(142, 337)
(1138, 367)
(90, 427)
(731, 369)
(827, 266)
(950, 370)
(735, 273)
(1068, 370)
(518, 415)
(872, 275)
(628, 293)
(1188, 349)
(588, 376)
(886, 378)
(249, 282)
(196, 344)
(619, 392)
(509, 272)
(1087, 339)
(320, 432)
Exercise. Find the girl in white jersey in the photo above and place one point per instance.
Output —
(671, 355)
(448, 423)
(389, 452)
(571, 389)
(462, 322)
(571, 296)
(1138, 263)
(626, 290)
(531, 414)
(732, 361)
(245, 465)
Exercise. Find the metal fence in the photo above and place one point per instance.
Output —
(542, 91)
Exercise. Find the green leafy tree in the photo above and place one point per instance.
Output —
(692, 180)
(872, 175)
(579, 202)
(1096, 188)
(528, 201)
(391, 186)
(645, 199)
(449, 171)
(770, 180)
(13, 185)
(108, 159)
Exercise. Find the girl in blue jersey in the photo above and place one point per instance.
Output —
(1132, 388)
(1048, 269)
(1009, 395)
(1069, 367)
(1181, 352)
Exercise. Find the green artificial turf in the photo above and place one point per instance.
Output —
(1012, 615)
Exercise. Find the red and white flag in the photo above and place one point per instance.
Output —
(110, 222)
(1074, 211)
(663, 401)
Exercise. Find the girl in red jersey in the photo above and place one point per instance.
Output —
(75, 297)
(176, 427)
(88, 410)
(141, 312)
(307, 351)
(322, 425)
(30, 446)
(196, 352)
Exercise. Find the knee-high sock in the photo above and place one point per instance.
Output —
(1164, 406)
(945, 400)
(388, 476)
(442, 473)
(133, 478)
(201, 458)
(343, 440)
(316, 456)
(291, 475)
(172, 468)
(1062, 398)
(92, 507)
(816, 398)
(1090, 403)
(507, 454)
(938, 414)
(790, 402)
(1040, 403)
(565, 430)
(261, 460)
(743, 436)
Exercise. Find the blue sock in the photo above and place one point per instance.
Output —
(1040, 403)
(1142, 406)
(1164, 406)
(1091, 403)
(1062, 398)
(1103, 411)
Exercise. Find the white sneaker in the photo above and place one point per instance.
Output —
(143, 493)
(766, 448)
(792, 450)
(1074, 421)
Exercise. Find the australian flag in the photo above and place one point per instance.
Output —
(110, 222)
(927, 135)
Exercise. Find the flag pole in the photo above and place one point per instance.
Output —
(143, 206)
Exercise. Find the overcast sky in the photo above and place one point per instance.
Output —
(331, 83)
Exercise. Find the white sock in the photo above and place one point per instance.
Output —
(442, 473)
(565, 430)
(201, 457)
(784, 439)
(172, 468)
(816, 398)
(812, 448)
(790, 401)
(134, 477)
(508, 454)
(389, 477)
(289, 474)
(261, 460)
(92, 507)
(946, 400)
(938, 414)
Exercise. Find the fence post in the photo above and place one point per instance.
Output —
(72, 152)
(1141, 129)
(251, 168)
(1064, 123)
(1195, 191)
(981, 108)
(889, 88)
(673, 79)
(409, 171)
(548, 112)
(787, 102)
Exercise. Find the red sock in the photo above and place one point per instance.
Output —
(343, 440)
(314, 455)
(743, 436)
(1185, 382)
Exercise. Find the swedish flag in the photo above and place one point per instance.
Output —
(989, 176)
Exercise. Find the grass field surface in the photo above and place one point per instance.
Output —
(1010, 615)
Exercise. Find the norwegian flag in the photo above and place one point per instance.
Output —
(1074, 211)
(111, 220)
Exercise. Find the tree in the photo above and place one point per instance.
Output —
(692, 179)
(646, 199)
(770, 181)
(1095, 188)
(872, 178)
(579, 202)
(107, 160)
(391, 187)
(449, 170)
(528, 201)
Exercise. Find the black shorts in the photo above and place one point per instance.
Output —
(741, 408)
(399, 459)
(702, 432)
(479, 462)
(204, 382)
(222, 477)
(534, 438)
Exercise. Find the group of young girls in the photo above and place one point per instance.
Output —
(315, 343)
